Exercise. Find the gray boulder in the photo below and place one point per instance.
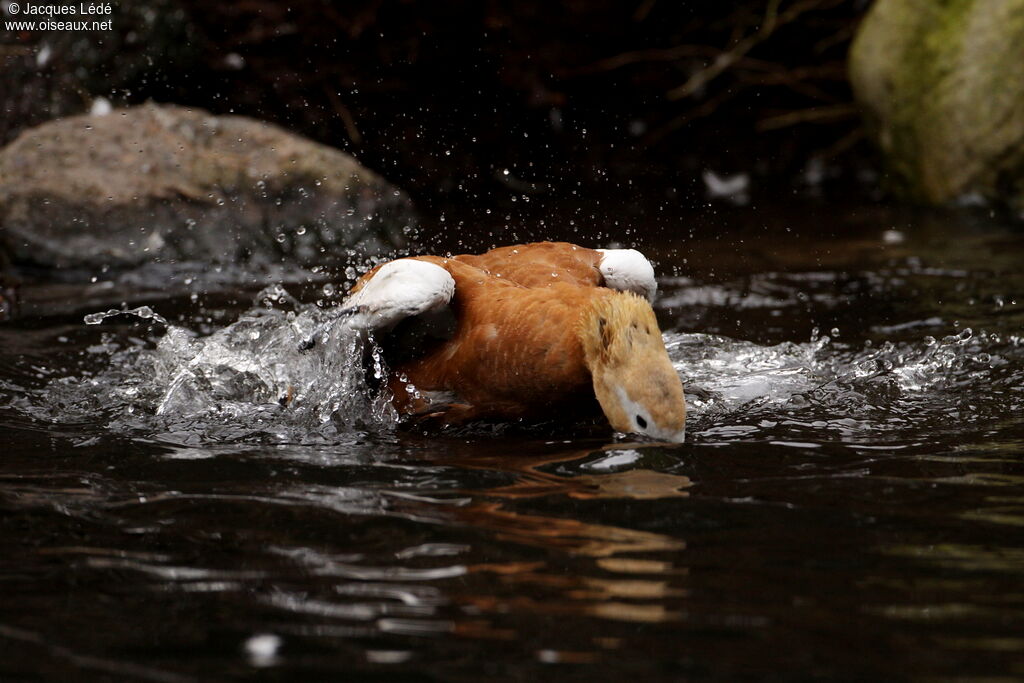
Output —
(942, 87)
(160, 182)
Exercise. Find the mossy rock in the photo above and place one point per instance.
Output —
(941, 83)
(161, 182)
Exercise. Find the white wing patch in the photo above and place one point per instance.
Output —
(628, 270)
(400, 289)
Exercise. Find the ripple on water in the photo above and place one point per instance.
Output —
(739, 389)
(258, 379)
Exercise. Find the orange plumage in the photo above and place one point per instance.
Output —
(535, 334)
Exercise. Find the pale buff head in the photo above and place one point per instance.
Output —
(634, 380)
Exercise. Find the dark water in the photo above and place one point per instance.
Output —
(849, 504)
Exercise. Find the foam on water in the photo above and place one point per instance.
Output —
(824, 390)
(265, 359)
(259, 378)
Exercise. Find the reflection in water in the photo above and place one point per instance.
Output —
(569, 535)
(414, 592)
(83, 662)
(587, 590)
(846, 505)
(964, 557)
(533, 479)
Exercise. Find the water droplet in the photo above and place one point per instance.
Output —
(144, 312)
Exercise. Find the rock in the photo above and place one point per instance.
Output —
(160, 182)
(8, 289)
(942, 88)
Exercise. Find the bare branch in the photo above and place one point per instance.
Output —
(706, 108)
(346, 116)
(836, 112)
(725, 60)
(842, 145)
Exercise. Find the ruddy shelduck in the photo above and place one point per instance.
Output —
(530, 331)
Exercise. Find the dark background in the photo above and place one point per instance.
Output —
(596, 99)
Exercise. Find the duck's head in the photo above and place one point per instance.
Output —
(635, 383)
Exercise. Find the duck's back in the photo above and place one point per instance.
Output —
(513, 345)
(540, 264)
(507, 342)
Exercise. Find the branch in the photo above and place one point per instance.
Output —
(706, 108)
(668, 54)
(346, 116)
(836, 112)
(842, 145)
(772, 20)
(643, 10)
(799, 80)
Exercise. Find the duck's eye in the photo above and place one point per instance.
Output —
(641, 422)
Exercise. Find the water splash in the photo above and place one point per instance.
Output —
(257, 361)
(814, 389)
(258, 378)
(291, 372)
(142, 312)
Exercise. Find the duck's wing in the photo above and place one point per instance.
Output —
(398, 290)
(627, 270)
(543, 263)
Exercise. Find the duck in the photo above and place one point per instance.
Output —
(523, 332)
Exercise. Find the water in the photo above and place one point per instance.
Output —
(188, 495)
